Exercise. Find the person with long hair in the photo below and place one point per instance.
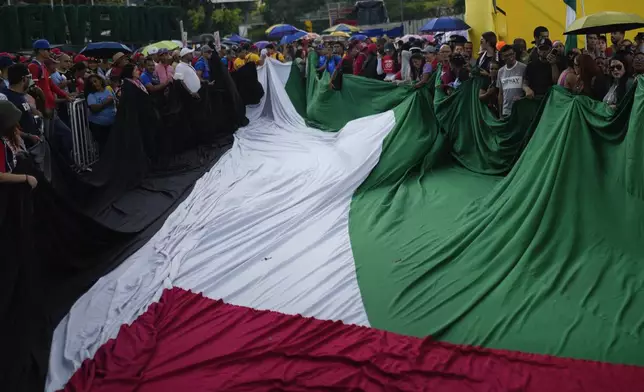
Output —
(11, 145)
(621, 81)
(568, 78)
(488, 52)
(131, 74)
(490, 95)
(102, 109)
(590, 81)
(430, 55)
(417, 62)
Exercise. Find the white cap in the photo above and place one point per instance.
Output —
(153, 50)
(185, 51)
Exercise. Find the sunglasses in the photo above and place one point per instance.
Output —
(617, 67)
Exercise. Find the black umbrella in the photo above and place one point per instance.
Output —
(104, 50)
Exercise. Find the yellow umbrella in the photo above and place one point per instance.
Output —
(340, 34)
(605, 22)
(170, 45)
(345, 28)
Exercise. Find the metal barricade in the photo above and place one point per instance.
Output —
(85, 148)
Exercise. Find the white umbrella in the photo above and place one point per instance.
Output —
(407, 37)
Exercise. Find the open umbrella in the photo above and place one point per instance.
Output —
(104, 49)
(407, 37)
(358, 37)
(445, 23)
(170, 45)
(605, 22)
(261, 44)
(345, 28)
(237, 39)
(312, 36)
(340, 34)
(280, 30)
(287, 39)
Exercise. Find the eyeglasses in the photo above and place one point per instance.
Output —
(617, 67)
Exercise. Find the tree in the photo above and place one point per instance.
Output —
(224, 20)
(289, 11)
(227, 20)
(419, 9)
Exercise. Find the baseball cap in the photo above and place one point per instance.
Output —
(80, 58)
(41, 44)
(163, 51)
(185, 51)
(5, 61)
(544, 42)
(205, 49)
(153, 50)
(429, 49)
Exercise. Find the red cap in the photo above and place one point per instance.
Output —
(79, 58)
(23, 59)
(6, 54)
(56, 51)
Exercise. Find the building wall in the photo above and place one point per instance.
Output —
(522, 16)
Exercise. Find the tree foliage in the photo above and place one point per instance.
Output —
(289, 11)
(420, 9)
(224, 20)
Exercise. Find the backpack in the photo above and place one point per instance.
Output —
(41, 69)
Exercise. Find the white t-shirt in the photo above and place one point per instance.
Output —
(188, 75)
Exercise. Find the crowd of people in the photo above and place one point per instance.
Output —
(33, 91)
(513, 71)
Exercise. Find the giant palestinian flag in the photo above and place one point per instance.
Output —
(382, 238)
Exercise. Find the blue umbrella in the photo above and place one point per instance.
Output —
(287, 39)
(358, 37)
(445, 23)
(261, 44)
(104, 49)
(236, 39)
(280, 30)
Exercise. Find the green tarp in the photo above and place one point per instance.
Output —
(549, 259)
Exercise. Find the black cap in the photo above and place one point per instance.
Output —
(544, 42)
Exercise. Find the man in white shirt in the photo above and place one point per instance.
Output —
(510, 81)
(186, 73)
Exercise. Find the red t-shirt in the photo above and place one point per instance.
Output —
(388, 65)
(358, 63)
(41, 78)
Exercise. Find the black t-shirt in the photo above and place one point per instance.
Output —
(27, 121)
(538, 76)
